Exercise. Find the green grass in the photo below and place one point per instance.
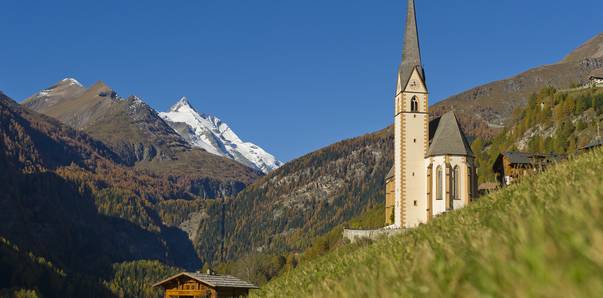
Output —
(540, 238)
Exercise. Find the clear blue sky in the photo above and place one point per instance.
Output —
(291, 76)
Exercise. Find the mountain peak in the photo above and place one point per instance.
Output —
(214, 136)
(99, 87)
(70, 81)
(182, 103)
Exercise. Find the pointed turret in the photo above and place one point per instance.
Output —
(449, 138)
(411, 55)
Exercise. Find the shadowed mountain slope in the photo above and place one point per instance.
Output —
(64, 198)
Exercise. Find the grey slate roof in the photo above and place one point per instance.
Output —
(214, 280)
(529, 158)
(411, 56)
(518, 157)
(449, 138)
(434, 124)
(597, 73)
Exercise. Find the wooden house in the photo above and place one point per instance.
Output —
(511, 166)
(596, 77)
(197, 285)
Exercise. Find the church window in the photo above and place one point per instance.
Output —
(455, 185)
(414, 104)
(439, 179)
(415, 140)
(415, 203)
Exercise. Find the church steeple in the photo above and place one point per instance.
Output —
(411, 56)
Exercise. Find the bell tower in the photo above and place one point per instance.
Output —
(411, 125)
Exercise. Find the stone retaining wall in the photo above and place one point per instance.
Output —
(355, 235)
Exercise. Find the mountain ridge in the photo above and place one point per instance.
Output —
(484, 110)
(215, 136)
(136, 132)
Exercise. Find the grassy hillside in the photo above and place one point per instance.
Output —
(541, 238)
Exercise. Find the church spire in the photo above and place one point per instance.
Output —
(411, 57)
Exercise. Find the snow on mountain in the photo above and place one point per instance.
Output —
(210, 133)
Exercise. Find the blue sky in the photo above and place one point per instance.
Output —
(291, 76)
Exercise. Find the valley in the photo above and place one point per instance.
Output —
(104, 193)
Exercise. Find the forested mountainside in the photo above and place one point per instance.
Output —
(539, 238)
(552, 122)
(66, 199)
(484, 110)
(136, 132)
(281, 214)
(23, 274)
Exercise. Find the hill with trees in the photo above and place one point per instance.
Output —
(552, 122)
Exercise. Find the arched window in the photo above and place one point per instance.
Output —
(414, 104)
(439, 179)
(455, 183)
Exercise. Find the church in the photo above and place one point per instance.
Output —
(434, 168)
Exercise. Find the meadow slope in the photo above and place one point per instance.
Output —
(540, 238)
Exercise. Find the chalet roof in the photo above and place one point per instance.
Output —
(449, 138)
(411, 55)
(213, 280)
(528, 158)
(597, 73)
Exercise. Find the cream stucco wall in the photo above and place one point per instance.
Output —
(416, 181)
(464, 164)
(411, 141)
(398, 169)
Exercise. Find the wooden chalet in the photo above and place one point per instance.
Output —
(197, 285)
(511, 166)
(596, 77)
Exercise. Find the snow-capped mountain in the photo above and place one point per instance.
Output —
(210, 133)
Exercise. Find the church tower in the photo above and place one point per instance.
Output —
(411, 125)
